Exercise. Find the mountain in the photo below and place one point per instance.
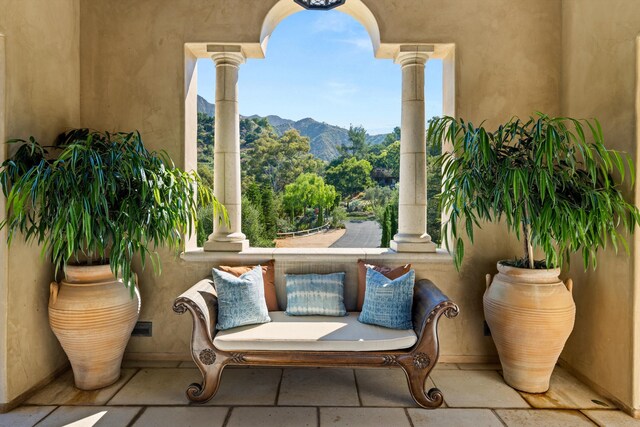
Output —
(205, 107)
(324, 138)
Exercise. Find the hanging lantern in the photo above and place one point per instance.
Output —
(319, 4)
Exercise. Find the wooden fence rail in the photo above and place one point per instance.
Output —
(308, 232)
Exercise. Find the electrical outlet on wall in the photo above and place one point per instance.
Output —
(487, 331)
(142, 329)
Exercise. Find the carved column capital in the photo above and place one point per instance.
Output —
(409, 55)
(227, 55)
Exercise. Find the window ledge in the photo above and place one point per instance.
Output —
(441, 256)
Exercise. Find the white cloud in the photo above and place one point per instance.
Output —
(340, 90)
(362, 43)
(332, 23)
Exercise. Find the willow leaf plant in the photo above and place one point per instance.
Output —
(552, 180)
(103, 198)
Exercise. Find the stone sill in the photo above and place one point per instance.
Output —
(323, 255)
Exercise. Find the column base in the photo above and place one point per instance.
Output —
(232, 246)
(412, 246)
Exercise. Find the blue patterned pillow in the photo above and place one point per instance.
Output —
(388, 302)
(240, 299)
(315, 294)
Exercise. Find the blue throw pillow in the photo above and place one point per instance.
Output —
(240, 299)
(315, 294)
(388, 302)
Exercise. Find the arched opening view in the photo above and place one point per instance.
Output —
(320, 122)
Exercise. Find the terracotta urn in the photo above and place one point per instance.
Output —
(92, 314)
(531, 315)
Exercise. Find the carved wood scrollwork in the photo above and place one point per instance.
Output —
(452, 311)
(207, 356)
(180, 306)
(421, 360)
(237, 358)
(389, 360)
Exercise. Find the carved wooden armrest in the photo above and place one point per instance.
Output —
(202, 301)
(429, 303)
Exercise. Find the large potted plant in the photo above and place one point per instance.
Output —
(557, 187)
(94, 203)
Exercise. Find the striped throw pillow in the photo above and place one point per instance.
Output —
(315, 294)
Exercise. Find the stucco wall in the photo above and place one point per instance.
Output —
(507, 59)
(42, 98)
(599, 80)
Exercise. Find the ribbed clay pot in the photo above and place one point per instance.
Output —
(531, 315)
(92, 314)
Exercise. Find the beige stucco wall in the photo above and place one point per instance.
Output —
(599, 80)
(508, 62)
(42, 98)
(4, 261)
(511, 57)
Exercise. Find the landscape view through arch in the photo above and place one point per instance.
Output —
(320, 131)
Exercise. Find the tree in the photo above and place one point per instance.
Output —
(308, 191)
(389, 221)
(278, 161)
(434, 188)
(388, 159)
(350, 177)
(392, 137)
(252, 225)
(269, 214)
(254, 194)
(358, 143)
(378, 197)
(385, 224)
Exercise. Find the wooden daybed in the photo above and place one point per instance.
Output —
(417, 361)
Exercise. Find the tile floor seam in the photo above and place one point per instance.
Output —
(123, 385)
(355, 380)
(406, 412)
(596, 422)
(137, 416)
(576, 407)
(569, 410)
(277, 400)
(585, 416)
(579, 411)
(46, 416)
(493, 411)
(227, 416)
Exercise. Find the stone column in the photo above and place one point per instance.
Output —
(226, 167)
(412, 210)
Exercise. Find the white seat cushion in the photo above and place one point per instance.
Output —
(314, 333)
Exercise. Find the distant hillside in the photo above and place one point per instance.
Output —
(205, 107)
(324, 138)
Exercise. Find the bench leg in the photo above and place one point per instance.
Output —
(417, 377)
(211, 373)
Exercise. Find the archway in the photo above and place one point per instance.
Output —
(412, 235)
(355, 8)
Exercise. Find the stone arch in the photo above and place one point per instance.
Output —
(355, 8)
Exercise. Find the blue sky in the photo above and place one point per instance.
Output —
(321, 65)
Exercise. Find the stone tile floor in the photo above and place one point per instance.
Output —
(152, 394)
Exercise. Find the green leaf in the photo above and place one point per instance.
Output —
(104, 195)
(566, 181)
